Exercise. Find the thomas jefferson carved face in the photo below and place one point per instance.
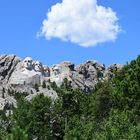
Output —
(28, 63)
(38, 66)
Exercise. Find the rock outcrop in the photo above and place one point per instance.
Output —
(8, 64)
(27, 72)
(92, 72)
(22, 75)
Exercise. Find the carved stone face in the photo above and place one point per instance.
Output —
(38, 66)
(28, 63)
(56, 70)
(46, 71)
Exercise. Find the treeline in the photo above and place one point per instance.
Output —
(110, 112)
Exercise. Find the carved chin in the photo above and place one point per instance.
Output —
(25, 66)
(37, 69)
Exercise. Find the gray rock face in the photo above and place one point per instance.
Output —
(23, 75)
(2, 103)
(90, 69)
(92, 72)
(7, 66)
(61, 71)
(114, 67)
(27, 72)
(109, 73)
(16, 72)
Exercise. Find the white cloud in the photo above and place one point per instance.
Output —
(83, 22)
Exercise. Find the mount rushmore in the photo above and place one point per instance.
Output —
(22, 75)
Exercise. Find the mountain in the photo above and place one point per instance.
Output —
(17, 75)
(107, 109)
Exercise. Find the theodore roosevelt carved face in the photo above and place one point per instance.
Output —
(46, 71)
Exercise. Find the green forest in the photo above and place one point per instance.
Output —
(109, 112)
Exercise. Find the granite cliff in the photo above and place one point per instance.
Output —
(22, 75)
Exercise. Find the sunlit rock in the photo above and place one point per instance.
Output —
(38, 67)
(28, 63)
(26, 73)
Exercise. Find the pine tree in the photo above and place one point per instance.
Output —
(36, 87)
(44, 84)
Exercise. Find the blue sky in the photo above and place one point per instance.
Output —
(21, 20)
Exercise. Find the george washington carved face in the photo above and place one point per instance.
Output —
(28, 63)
